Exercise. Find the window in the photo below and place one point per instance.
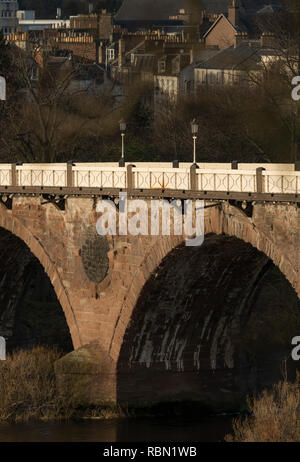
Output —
(212, 78)
(162, 66)
(110, 54)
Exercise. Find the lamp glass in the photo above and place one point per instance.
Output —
(122, 126)
(194, 126)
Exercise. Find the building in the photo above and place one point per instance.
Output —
(241, 64)
(84, 22)
(240, 17)
(8, 16)
(223, 31)
(41, 24)
(26, 14)
(137, 15)
(99, 25)
(142, 15)
(175, 77)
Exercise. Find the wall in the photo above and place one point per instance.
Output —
(222, 35)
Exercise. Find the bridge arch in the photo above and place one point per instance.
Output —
(232, 222)
(221, 220)
(191, 333)
(104, 310)
(13, 224)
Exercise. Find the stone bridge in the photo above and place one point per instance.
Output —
(150, 319)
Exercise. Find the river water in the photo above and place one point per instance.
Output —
(208, 429)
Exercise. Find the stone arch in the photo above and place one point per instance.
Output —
(181, 339)
(234, 223)
(17, 228)
(225, 220)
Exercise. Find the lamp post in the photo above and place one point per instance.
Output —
(122, 130)
(194, 128)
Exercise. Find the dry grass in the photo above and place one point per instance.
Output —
(27, 386)
(275, 416)
(28, 391)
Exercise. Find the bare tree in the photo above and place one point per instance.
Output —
(49, 114)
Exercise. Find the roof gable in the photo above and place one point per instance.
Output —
(221, 16)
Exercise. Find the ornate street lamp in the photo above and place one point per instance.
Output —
(122, 130)
(194, 128)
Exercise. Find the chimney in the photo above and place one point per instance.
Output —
(121, 54)
(191, 56)
(91, 7)
(233, 13)
(239, 38)
(267, 40)
(58, 13)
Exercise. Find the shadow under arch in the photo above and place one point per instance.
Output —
(224, 221)
(14, 226)
(211, 325)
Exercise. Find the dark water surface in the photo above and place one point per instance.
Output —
(208, 429)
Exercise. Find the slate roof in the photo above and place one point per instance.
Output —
(145, 63)
(135, 10)
(244, 56)
(148, 9)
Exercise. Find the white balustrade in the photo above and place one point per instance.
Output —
(226, 180)
(5, 174)
(158, 178)
(54, 175)
(99, 177)
(276, 179)
(281, 182)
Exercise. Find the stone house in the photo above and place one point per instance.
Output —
(240, 18)
(175, 77)
(239, 64)
(222, 32)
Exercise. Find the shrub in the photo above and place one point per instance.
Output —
(27, 385)
(274, 416)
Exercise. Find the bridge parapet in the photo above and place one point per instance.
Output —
(246, 178)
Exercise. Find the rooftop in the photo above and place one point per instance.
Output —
(244, 56)
(158, 10)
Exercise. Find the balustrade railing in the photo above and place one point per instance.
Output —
(244, 178)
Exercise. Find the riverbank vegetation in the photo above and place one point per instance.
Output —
(274, 416)
(28, 390)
